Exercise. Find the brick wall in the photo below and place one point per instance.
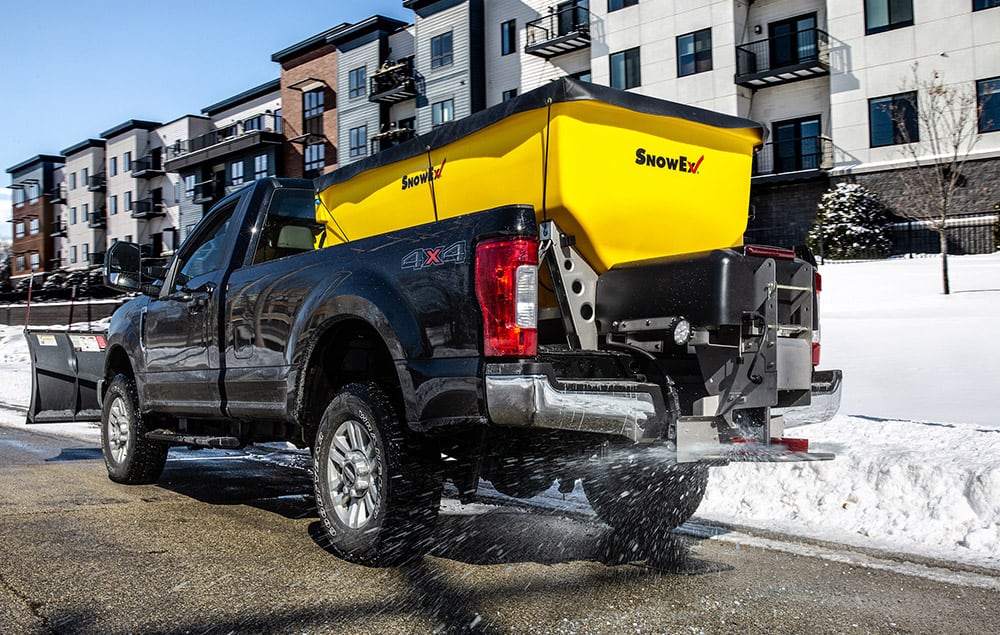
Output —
(784, 212)
(41, 242)
(319, 63)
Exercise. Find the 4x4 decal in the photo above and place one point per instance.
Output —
(433, 256)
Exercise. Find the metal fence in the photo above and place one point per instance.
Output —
(966, 234)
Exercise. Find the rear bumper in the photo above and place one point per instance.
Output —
(825, 402)
(529, 396)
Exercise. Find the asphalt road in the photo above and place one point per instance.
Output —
(229, 543)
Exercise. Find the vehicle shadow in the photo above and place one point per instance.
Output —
(477, 533)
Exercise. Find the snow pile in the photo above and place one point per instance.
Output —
(15, 367)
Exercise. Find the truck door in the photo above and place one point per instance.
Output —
(180, 335)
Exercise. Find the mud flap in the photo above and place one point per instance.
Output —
(66, 367)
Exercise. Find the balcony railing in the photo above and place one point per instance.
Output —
(96, 183)
(562, 30)
(98, 219)
(389, 138)
(203, 192)
(147, 167)
(393, 83)
(58, 230)
(794, 155)
(783, 59)
(146, 208)
(96, 257)
(264, 122)
(57, 195)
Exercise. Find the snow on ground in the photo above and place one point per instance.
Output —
(917, 441)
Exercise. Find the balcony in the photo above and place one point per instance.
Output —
(58, 230)
(57, 195)
(389, 138)
(98, 219)
(783, 59)
(393, 83)
(806, 156)
(147, 167)
(147, 209)
(96, 183)
(96, 257)
(204, 192)
(216, 145)
(565, 29)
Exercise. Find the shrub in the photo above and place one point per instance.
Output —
(851, 222)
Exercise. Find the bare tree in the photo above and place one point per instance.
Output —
(938, 127)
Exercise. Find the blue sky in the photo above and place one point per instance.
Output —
(73, 69)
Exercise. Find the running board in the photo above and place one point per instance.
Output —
(226, 443)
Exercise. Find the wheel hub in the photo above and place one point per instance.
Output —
(353, 472)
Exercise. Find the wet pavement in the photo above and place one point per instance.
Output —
(230, 542)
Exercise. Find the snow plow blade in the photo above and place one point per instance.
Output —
(66, 367)
(825, 402)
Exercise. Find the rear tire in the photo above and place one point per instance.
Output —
(377, 489)
(130, 457)
(635, 496)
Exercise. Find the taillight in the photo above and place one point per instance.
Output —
(769, 252)
(817, 286)
(507, 288)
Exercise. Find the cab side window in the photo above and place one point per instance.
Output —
(208, 251)
(290, 226)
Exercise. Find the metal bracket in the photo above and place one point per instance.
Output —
(575, 284)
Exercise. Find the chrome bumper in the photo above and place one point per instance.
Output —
(633, 410)
(825, 402)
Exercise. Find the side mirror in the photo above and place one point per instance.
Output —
(124, 270)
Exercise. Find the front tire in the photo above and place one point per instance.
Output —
(130, 457)
(377, 489)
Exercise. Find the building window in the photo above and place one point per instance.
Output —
(984, 4)
(796, 145)
(356, 79)
(127, 162)
(409, 123)
(72, 216)
(72, 180)
(72, 254)
(259, 168)
(85, 213)
(441, 52)
(236, 173)
(18, 198)
(128, 201)
(625, 69)
(694, 52)
(893, 120)
(19, 229)
(253, 123)
(277, 120)
(313, 105)
(508, 37)
(34, 261)
(33, 226)
(442, 112)
(315, 157)
(988, 93)
(189, 186)
(20, 263)
(113, 166)
(885, 15)
(113, 204)
(509, 94)
(85, 252)
(614, 5)
(359, 141)
(84, 177)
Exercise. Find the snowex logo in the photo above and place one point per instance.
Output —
(678, 163)
(422, 178)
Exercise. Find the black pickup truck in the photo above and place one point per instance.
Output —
(400, 377)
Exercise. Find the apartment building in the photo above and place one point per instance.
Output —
(235, 141)
(81, 214)
(309, 105)
(134, 192)
(34, 185)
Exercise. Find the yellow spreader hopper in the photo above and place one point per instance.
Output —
(632, 177)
